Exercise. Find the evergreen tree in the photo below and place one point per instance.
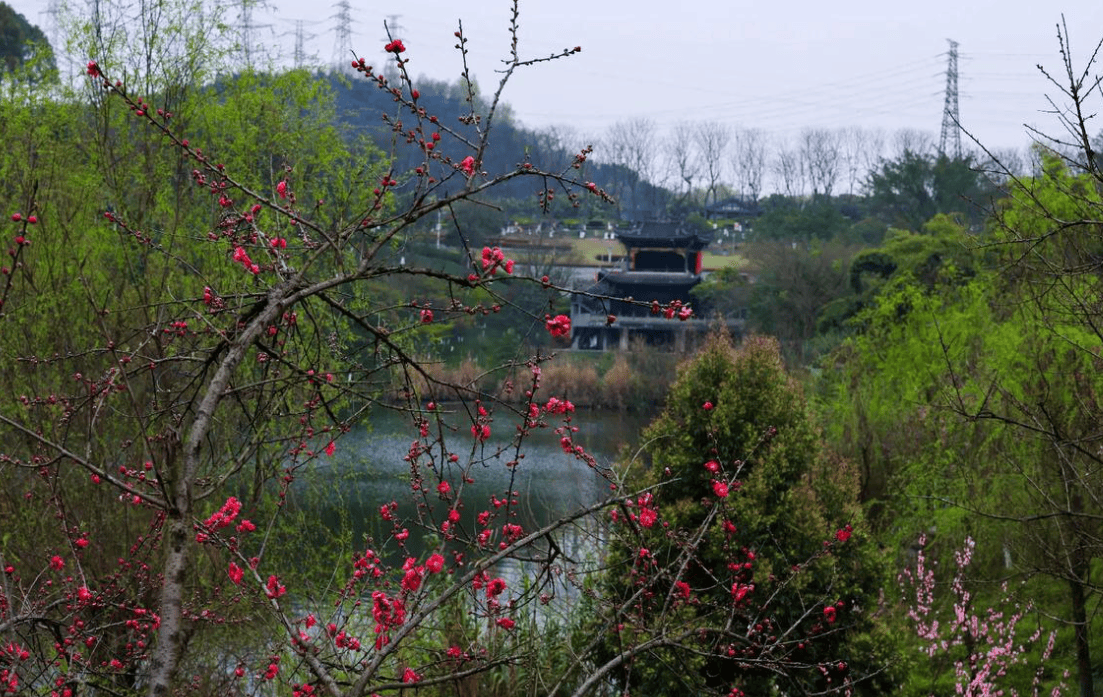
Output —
(762, 520)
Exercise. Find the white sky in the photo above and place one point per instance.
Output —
(781, 66)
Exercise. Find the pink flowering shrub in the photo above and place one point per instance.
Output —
(985, 649)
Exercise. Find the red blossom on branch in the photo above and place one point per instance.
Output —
(558, 326)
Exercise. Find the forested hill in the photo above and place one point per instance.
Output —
(362, 105)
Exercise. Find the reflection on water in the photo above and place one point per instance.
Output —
(371, 469)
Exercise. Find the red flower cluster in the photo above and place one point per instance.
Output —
(224, 516)
(242, 257)
(493, 259)
(468, 165)
(495, 587)
(274, 589)
(559, 406)
(558, 326)
(236, 573)
(843, 534)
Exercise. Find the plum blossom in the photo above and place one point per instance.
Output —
(236, 573)
(558, 326)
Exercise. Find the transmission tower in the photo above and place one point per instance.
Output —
(301, 37)
(949, 143)
(246, 26)
(342, 44)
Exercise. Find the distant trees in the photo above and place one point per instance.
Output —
(20, 42)
(912, 188)
(821, 152)
(712, 140)
(750, 153)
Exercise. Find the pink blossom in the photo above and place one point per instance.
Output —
(468, 165)
(435, 563)
(720, 488)
(236, 573)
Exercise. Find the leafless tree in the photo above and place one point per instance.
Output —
(788, 168)
(912, 140)
(873, 152)
(751, 147)
(632, 145)
(820, 150)
(712, 141)
(853, 142)
(682, 158)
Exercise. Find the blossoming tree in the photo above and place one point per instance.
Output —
(222, 322)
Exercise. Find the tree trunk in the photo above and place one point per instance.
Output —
(1083, 648)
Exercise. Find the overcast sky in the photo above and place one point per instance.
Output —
(778, 65)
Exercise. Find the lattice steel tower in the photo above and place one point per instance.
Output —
(246, 26)
(342, 44)
(949, 143)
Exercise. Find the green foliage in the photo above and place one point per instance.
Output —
(820, 219)
(788, 500)
(912, 189)
(23, 44)
(967, 396)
